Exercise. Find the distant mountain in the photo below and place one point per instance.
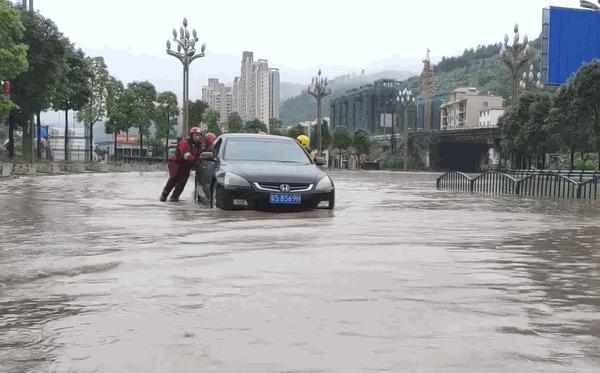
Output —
(478, 67)
(288, 90)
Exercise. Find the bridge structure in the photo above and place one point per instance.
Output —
(467, 150)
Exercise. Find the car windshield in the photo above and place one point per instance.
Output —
(264, 150)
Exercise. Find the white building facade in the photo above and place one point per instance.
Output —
(490, 117)
(219, 98)
(253, 95)
(465, 107)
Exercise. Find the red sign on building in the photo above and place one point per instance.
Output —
(123, 138)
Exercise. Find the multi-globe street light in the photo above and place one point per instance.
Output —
(515, 56)
(319, 88)
(186, 54)
(531, 80)
(589, 5)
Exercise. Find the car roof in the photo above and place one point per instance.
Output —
(258, 136)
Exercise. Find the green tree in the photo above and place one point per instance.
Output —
(586, 88)
(167, 112)
(563, 127)
(255, 126)
(537, 137)
(13, 54)
(211, 119)
(342, 139)
(95, 109)
(296, 131)
(275, 126)
(73, 91)
(140, 98)
(234, 123)
(361, 141)
(197, 110)
(116, 111)
(13, 61)
(325, 136)
(518, 131)
(35, 88)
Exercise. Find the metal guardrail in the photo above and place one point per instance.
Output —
(580, 185)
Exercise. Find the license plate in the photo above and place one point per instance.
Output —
(285, 199)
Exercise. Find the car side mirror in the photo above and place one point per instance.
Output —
(207, 156)
(320, 161)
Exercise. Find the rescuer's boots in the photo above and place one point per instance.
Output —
(163, 196)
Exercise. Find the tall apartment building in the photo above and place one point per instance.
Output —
(219, 98)
(274, 93)
(246, 86)
(261, 76)
(253, 95)
(235, 97)
(467, 106)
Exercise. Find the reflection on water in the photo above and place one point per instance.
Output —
(96, 275)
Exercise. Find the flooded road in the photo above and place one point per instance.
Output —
(96, 275)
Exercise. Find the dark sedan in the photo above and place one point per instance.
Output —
(252, 171)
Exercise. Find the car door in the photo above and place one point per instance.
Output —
(208, 169)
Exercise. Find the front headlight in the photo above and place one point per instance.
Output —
(324, 185)
(235, 181)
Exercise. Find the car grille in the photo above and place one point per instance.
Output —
(275, 187)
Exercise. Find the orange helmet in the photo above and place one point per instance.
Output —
(195, 130)
(209, 138)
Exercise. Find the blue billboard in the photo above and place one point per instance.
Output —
(570, 38)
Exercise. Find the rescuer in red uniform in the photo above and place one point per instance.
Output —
(186, 154)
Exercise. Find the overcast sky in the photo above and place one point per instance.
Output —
(340, 36)
(296, 36)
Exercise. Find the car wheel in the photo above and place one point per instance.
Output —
(213, 196)
(218, 200)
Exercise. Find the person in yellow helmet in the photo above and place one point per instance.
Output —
(305, 142)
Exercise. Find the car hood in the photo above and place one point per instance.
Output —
(274, 172)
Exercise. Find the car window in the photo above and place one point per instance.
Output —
(216, 146)
(264, 150)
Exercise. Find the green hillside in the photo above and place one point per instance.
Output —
(303, 107)
(478, 67)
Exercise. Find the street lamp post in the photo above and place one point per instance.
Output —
(405, 98)
(589, 5)
(319, 88)
(515, 56)
(186, 54)
(531, 80)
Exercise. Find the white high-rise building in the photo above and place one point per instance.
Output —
(246, 93)
(253, 95)
(235, 97)
(274, 93)
(218, 97)
(262, 96)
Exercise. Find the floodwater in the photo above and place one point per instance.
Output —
(96, 275)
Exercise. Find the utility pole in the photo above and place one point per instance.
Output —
(319, 89)
(186, 54)
(427, 82)
(405, 98)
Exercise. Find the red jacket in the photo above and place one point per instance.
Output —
(187, 146)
